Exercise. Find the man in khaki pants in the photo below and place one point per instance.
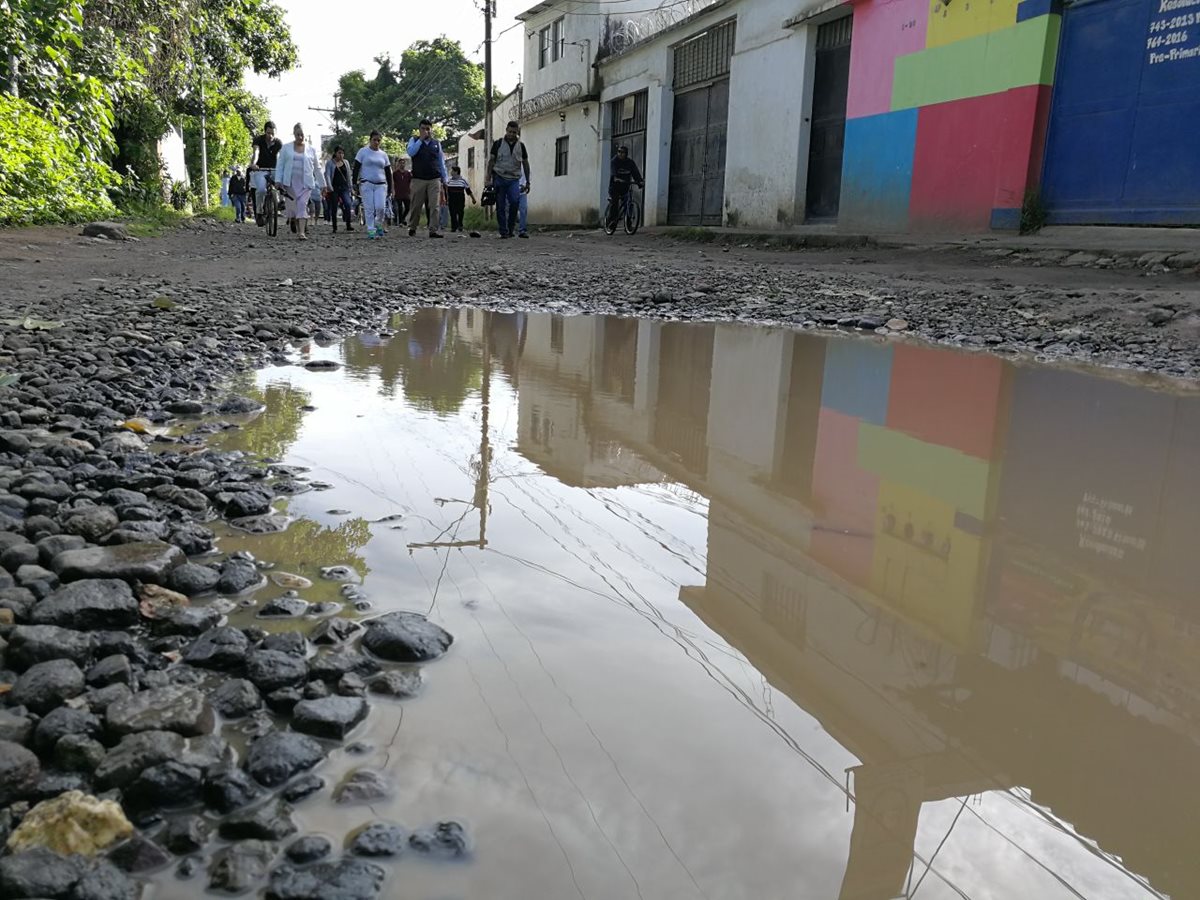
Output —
(429, 174)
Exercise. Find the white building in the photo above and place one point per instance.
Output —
(472, 151)
(713, 97)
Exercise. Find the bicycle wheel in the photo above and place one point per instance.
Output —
(271, 214)
(633, 216)
(611, 217)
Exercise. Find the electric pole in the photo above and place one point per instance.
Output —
(487, 76)
(203, 143)
(335, 113)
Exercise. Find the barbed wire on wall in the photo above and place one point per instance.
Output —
(625, 33)
(547, 101)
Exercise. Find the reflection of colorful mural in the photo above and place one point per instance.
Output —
(902, 476)
(946, 111)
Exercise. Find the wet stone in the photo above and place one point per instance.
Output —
(236, 698)
(283, 607)
(238, 576)
(89, 604)
(99, 700)
(308, 848)
(139, 855)
(238, 868)
(47, 685)
(271, 822)
(15, 727)
(406, 637)
(335, 631)
(146, 561)
(362, 786)
(346, 879)
(114, 669)
(19, 771)
(188, 621)
(230, 789)
(302, 788)
(292, 642)
(271, 523)
(39, 873)
(91, 523)
(136, 753)
(329, 717)
(78, 753)
(169, 784)
(379, 840)
(401, 683)
(445, 840)
(284, 700)
(331, 666)
(29, 644)
(273, 759)
(271, 670)
(193, 579)
(185, 834)
(104, 881)
(222, 648)
(61, 722)
(183, 710)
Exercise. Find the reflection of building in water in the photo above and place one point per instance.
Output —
(975, 576)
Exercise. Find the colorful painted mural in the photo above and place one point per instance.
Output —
(946, 112)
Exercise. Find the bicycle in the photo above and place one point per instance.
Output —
(272, 205)
(629, 211)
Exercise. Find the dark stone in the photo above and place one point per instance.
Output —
(78, 753)
(147, 561)
(104, 881)
(308, 849)
(209, 753)
(187, 621)
(89, 604)
(271, 670)
(238, 576)
(302, 788)
(185, 498)
(138, 855)
(19, 555)
(396, 683)
(331, 666)
(239, 406)
(192, 579)
(60, 722)
(183, 710)
(50, 547)
(345, 879)
(445, 840)
(230, 789)
(235, 698)
(19, 600)
(91, 523)
(271, 822)
(284, 700)
(184, 407)
(30, 644)
(292, 642)
(16, 727)
(39, 873)
(99, 700)
(114, 669)
(276, 757)
(238, 868)
(329, 717)
(362, 786)
(283, 608)
(185, 834)
(335, 631)
(315, 690)
(271, 523)
(222, 648)
(19, 772)
(406, 637)
(52, 783)
(136, 753)
(169, 784)
(193, 539)
(47, 685)
(242, 504)
(379, 840)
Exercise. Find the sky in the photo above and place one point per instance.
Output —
(329, 39)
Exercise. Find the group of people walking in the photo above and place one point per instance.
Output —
(384, 187)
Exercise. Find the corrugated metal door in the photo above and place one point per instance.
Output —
(1125, 119)
(698, 133)
(831, 85)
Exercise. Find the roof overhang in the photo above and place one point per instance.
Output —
(537, 10)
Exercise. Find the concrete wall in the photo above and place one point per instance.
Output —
(574, 198)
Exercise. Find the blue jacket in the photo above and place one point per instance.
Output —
(414, 144)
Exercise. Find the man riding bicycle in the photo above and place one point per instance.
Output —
(264, 155)
(625, 173)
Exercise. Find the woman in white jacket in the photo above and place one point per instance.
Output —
(299, 172)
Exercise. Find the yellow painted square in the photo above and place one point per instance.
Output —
(962, 19)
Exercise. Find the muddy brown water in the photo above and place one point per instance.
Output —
(743, 613)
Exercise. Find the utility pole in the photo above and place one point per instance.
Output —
(487, 76)
(203, 144)
(335, 113)
(14, 76)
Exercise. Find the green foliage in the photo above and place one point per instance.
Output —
(434, 81)
(45, 176)
(476, 218)
(1033, 213)
(230, 131)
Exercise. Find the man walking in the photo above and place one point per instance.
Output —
(237, 194)
(401, 189)
(428, 176)
(506, 163)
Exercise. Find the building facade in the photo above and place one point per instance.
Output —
(885, 115)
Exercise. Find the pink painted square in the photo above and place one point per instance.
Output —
(884, 30)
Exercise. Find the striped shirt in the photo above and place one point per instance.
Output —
(459, 184)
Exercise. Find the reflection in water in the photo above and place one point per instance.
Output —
(276, 429)
(951, 599)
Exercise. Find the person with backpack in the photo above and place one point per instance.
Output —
(506, 163)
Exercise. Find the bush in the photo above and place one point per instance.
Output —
(44, 178)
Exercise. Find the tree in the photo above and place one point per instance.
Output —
(434, 81)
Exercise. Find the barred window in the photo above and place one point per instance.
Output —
(562, 148)
(705, 56)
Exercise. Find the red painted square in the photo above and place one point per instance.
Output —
(946, 398)
(973, 156)
(845, 499)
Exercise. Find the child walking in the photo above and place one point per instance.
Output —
(458, 189)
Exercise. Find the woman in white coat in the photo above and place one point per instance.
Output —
(299, 172)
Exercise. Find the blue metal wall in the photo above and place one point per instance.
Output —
(1124, 137)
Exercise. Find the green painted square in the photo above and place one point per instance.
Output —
(951, 476)
(986, 64)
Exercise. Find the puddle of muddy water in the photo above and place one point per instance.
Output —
(742, 613)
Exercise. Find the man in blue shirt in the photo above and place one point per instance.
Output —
(428, 176)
